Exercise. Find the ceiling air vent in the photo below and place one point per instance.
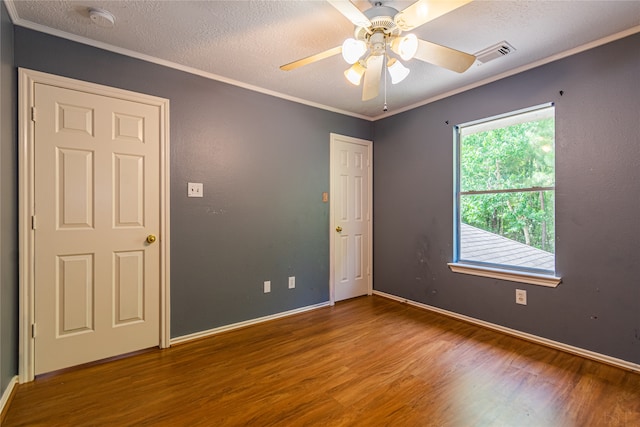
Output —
(494, 52)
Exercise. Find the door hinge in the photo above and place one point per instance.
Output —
(33, 114)
(33, 222)
(33, 330)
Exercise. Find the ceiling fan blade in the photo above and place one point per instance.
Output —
(351, 12)
(313, 58)
(424, 11)
(371, 85)
(445, 57)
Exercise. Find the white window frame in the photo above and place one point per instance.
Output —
(495, 271)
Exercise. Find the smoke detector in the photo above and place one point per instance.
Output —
(102, 18)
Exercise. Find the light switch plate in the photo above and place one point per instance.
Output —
(194, 189)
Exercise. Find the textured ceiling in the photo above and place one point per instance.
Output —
(245, 42)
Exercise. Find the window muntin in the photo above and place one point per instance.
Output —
(505, 191)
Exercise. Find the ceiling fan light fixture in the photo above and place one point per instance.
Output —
(354, 73)
(397, 71)
(406, 46)
(352, 50)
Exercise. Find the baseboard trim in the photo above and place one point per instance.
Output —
(215, 331)
(5, 400)
(588, 354)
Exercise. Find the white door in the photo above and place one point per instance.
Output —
(351, 217)
(96, 201)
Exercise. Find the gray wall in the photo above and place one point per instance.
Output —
(597, 306)
(264, 163)
(8, 207)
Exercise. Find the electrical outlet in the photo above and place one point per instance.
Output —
(267, 286)
(194, 189)
(521, 296)
(292, 282)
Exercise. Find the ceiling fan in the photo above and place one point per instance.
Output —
(378, 34)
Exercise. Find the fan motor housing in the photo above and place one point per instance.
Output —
(381, 18)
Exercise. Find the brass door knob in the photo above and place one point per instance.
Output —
(338, 229)
(151, 238)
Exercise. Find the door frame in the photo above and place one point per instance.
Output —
(332, 201)
(27, 80)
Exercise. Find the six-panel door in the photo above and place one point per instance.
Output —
(96, 202)
(351, 218)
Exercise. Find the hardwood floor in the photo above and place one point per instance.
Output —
(365, 362)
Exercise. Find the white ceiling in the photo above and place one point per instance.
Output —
(245, 42)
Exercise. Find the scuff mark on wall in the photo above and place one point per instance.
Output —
(425, 274)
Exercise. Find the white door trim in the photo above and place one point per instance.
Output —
(332, 226)
(27, 80)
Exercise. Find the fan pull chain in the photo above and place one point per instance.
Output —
(386, 60)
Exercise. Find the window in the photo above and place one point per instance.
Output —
(505, 193)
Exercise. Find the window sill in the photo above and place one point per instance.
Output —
(513, 276)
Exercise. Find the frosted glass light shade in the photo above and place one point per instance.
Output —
(397, 71)
(354, 73)
(406, 46)
(352, 50)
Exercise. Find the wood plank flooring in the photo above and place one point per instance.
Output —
(365, 362)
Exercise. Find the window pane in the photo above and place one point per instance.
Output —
(518, 156)
(515, 229)
(528, 115)
(506, 190)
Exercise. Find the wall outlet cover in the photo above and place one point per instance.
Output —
(521, 296)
